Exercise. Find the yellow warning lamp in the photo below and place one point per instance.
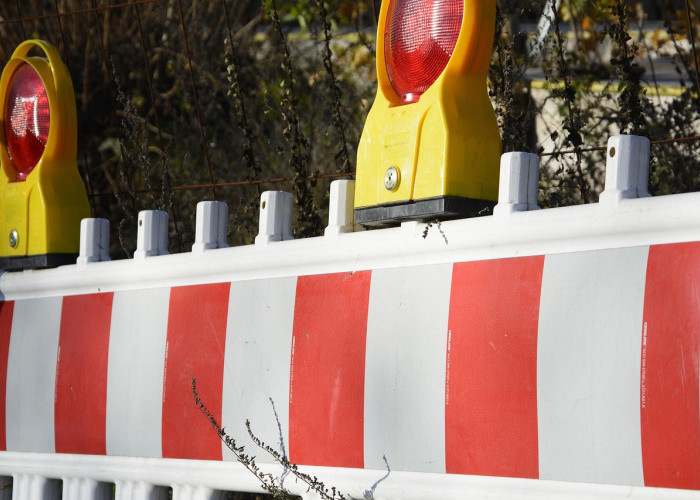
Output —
(42, 197)
(430, 147)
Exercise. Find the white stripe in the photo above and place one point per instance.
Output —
(135, 372)
(31, 375)
(588, 368)
(405, 368)
(256, 369)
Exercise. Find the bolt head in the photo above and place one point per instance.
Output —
(392, 178)
(14, 238)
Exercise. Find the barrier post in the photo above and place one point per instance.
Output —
(340, 209)
(520, 175)
(626, 169)
(152, 235)
(212, 225)
(94, 241)
(275, 217)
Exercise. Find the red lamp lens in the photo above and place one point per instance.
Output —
(27, 120)
(420, 40)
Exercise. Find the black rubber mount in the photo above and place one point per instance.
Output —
(442, 208)
(37, 261)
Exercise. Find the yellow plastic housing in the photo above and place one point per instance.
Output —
(447, 143)
(45, 210)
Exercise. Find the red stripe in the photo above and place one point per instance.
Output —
(327, 380)
(669, 379)
(81, 374)
(6, 309)
(491, 389)
(195, 348)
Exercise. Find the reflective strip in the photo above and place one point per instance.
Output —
(588, 366)
(669, 375)
(405, 376)
(135, 372)
(327, 379)
(6, 309)
(31, 375)
(81, 374)
(195, 349)
(258, 350)
(491, 390)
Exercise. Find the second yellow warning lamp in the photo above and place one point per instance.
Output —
(42, 197)
(430, 147)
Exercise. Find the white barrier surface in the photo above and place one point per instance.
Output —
(285, 305)
(635, 222)
(140, 478)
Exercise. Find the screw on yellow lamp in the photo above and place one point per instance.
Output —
(42, 197)
(430, 147)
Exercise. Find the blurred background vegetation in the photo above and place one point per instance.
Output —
(186, 100)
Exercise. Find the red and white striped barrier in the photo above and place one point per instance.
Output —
(548, 353)
(575, 367)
